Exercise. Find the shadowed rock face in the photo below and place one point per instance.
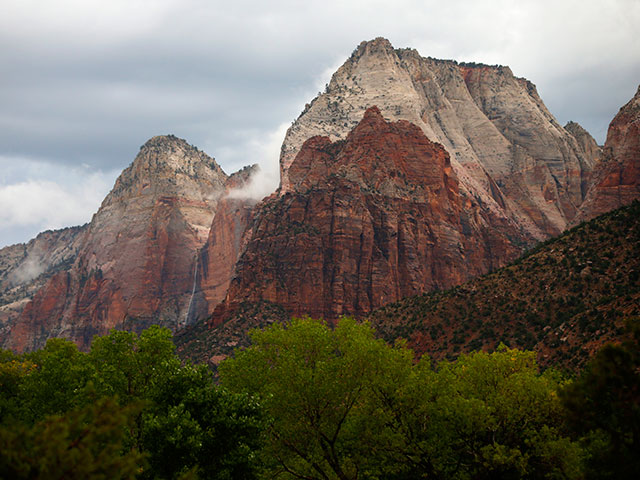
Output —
(616, 179)
(364, 222)
(226, 240)
(506, 148)
(136, 259)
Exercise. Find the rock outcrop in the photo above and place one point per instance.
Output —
(26, 267)
(616, 179)
(366, 221)
(506, 149)
(136, 259)
(227, 239)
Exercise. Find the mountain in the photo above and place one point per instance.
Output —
(135, 260)
(617, 177)
(564, 299)
(26, 267)
(366, 221)
(408, 174)
(506, 149)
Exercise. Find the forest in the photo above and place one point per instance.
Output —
(310, 401)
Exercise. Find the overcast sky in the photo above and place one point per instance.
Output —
(84, 83)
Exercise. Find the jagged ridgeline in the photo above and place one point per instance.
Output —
(564, 298)
(408, 174)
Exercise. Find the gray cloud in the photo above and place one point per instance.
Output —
(88, 82)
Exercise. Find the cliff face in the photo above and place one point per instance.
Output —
(226, 240)
(26, 267)
(616, 179)
(506, 149)
(364, 222)
(560, 300)
(136, 260)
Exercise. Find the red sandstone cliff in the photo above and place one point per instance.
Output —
(26, 267)
(367, 221)
(616, 179)
(136, 259)
(227, 239)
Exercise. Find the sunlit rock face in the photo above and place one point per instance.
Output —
(366, 221)
(135, 262)
(506, 149)
(616, 179)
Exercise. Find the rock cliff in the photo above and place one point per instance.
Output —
(506, 149)
(136, 259)
(366, 221)
(26, 267)
(226, 240)
(616, 179)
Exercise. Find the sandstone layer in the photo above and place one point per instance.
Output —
(506, 149)
(26, 267)
(136, 259)
(364, 222)
(226, 240)
(616, 179)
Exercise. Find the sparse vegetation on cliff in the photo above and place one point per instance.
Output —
(564, 298)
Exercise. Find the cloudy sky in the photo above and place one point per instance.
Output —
(84, 83)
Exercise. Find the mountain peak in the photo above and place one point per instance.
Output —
(372, 47)
(166, 165)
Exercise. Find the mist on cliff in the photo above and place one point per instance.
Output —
(264, 151)
(31, 268)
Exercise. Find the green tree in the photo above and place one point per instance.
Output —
(344, 405)
(187, 425)
(191, 425)
(603, 408)
(13, 371)
(317, 386)
(84, 443)
(58, 382)
(497, 417)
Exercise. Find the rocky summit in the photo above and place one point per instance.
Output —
(506, 149)
(617, 177)
(135, 261)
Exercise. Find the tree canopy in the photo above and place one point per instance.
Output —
(345, 405)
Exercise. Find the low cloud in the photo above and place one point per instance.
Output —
(31, 268)
(56, 197)
(266, 153)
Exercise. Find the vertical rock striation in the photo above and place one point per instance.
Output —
(366, 221)
(506, 149)
(226, 240)
(136, 259)
(616, 179)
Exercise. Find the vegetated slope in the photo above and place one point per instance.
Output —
(205, 343)
(564, 299)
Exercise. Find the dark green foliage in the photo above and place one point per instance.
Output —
(603, 407)
(84, 443)
(127, 408)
